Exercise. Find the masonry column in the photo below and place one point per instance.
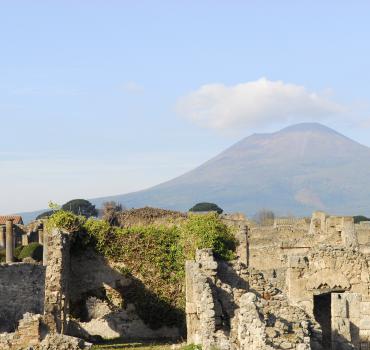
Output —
(2, 236)
(45, 247)
(41, 236)
(9, 242)
(56, 306)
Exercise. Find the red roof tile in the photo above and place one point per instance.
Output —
(17, 219)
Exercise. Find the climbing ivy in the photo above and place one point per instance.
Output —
(154, 256)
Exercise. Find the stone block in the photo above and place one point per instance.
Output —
(341, 328)
(295, 261)
(365, 323)
(338, 305)
(364, 335)
(365, 308)
(353, 305)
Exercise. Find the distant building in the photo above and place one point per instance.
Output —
(17, 219)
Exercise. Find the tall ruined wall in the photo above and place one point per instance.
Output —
(241, 227)
(21, 290)
(57, 287)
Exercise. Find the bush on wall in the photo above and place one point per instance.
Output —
(154, 256)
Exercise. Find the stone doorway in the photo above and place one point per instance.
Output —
(322, 313)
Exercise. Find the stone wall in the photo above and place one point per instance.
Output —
(241, 227)
(21, 290)
(342, 275)
(98, 305)
(231, 307)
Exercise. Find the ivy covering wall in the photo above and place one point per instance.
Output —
(154, 256)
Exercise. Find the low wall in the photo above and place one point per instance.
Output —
(21, 290)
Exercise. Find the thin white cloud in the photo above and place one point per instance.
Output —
(133, 87)
(255, 104)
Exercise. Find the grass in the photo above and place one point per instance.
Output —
(116, 345)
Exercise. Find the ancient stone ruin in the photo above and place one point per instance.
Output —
(298, 284)
(295, 284)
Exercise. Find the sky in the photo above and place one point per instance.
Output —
(107, 97)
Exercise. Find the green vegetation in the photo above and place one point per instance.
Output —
(44, 215)
(17, 251)
(76, 206)
(205, 207)
(360, 218)
(154, 256)
(33, 250)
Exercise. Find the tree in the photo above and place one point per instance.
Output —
(80, 207)
(204, 207)
(111, 211)
(44, 215)
(360, 218)
(265, 217)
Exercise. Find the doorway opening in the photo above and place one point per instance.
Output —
(322, 313)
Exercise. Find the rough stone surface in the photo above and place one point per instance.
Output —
(21, 291)
(232, 307)
(56, 307)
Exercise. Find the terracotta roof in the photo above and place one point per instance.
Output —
(17, 219)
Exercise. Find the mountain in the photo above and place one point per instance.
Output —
(296, 170)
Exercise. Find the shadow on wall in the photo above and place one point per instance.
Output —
(110, 303)
(272, 309)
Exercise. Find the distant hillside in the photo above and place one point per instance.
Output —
(299, 169)
(296, 170)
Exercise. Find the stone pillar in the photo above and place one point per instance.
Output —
(56, 305)
(9, 241)
(348, 234)
(2, 237)
(41, 236)
(45, 248)
(25, 239)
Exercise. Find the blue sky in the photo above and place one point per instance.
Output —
(108, 97)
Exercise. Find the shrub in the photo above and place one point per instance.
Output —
(33, 250)
(207, 231)
(66, 220)
(18, 251)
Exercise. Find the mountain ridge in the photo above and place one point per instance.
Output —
(245, 173)
(295, 170)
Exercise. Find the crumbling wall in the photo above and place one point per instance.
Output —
(232, 307)
(338, 230)
(344, 274)
(98, 304)
(21, 290)
(241, 227)
(31, 335)
(326, 269)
